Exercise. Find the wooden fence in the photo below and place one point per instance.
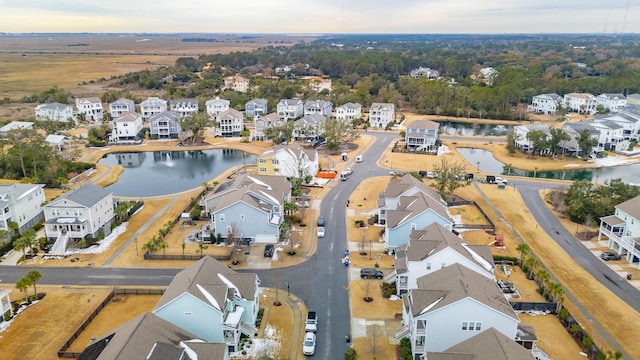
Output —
(148, 256)
(489, 226)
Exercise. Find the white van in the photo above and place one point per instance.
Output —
(359, 158)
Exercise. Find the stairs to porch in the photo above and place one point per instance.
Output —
(60, 246)
(248, 330)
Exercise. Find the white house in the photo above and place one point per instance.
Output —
(126, 127)
(520, 134)
(56, 141)
(217, 106)
(487, 75)
(309, 128)
(184, 107)
(424, 72)
(633, 99)
(582, 103)
(291, 161)
(256, 107)
(230, 123)
(611, 135)
(55, 112)
(165, 125)
(489, 344)
(121, 106)
(452, 305)
(381, 114)
(434, 248)
(546, 103)
(574, 130)
(5, 305)
(82, 213)
(249, 207)
(91, 108)
(289, 109)
(213, 302)
(21, 204)
(148, 336)
(611, 102)
(318, 107)
(628, 118)
(152, 106)
(622, 230)
(263, 122)
(349, 112)
(15, 125)
(236, 83)
(422, 135)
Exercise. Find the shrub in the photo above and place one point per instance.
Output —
(259, 318)
(388, 289)
(405, 349)
(359, 223)
(350, 354)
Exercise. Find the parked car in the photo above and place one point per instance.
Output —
(359, 158)
(348, 171)
(608, 255)
(371, 273)
(320, 231)
(500, 180)
(268, 250)
(309, 344)
(320, 220)
(311, 325)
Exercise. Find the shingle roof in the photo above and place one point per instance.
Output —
(86, 195)
(290, 102)
(16, 191)
(350, 106)
(454, 283)
(412, 206)
(258, 101)
(128, 116)
(382, 106)
(631, 207)
(53, 106)
(252, 190)
(124, 101)
(423, 124)
(490, 344)
(231, 114)
(183, 101)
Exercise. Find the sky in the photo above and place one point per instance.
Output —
(321, 16)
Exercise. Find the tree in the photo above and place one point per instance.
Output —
(34, 276)
(556, 136)
(289, 207)
(511, 142)
(531, 265)
(586, 143)
(202, 247)
(22, 285)
(194, 124)
(337, 132)
(538, 139)
(447, 182)
(524, 250)
(183, 245)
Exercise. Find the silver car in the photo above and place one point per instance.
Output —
(309, 344)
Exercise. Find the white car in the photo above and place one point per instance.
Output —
(320, 231)
(500, 180)
(359, 158)
(309, 344)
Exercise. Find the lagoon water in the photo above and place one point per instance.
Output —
(166, 172)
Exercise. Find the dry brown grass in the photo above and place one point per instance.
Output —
(552, 337)
(42, 329)
(281, 318)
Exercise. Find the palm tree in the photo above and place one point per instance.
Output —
(183, 245)
(23, 285)
(202, 247)
(543, 279)
(30, 239)
(290, 207)
(163, 245)
(524, 251)
(535, 170)
(34, 276)
(531, 264)
(149, 246)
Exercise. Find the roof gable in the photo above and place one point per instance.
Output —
(86, 195)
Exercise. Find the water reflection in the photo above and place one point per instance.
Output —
(472, 129)
(166, 172)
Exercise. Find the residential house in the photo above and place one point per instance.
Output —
(282, 70)
(230, 123)
(633, 99)
(165, 125)
(408, 204)
(547, 104)
(490, 344)
(582, 103)
(21, 204)
(217, 106)
(309, 128)
(572, 146)
(611, 135)
(289, 109)
(433, 248)
(381, 114)
(349, 112)
(213, 302)
(121, 106)
(318, 107)
(611, 102)
(520, 133)
(184, 107)
(5, 305)
(55, 112)
(126, 127)
(422, 135)
(487, 75)
(291, 161)
(148, 336)
(152, 106)
(628, 118)
(320, 84)
(57, 141)
(622, 230)
(86, 212)
(236, 83)
(424, 72)
(249, 207)
(263, 122)
(452, 305)
(91, 108)
(15, 125)
(256, 107)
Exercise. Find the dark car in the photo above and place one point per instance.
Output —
(320, 220)
(370, 274)
(608, 255)
(268, 250)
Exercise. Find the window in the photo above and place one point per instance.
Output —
(274, 161)
(413, 226)
(263, 169)
(55, 212)
(471, 326)
(222, 217)
(443, 265)
(428, 266)
(263, 161)
(464, 325)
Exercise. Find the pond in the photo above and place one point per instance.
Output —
(472, 129)
(167, 172)
(484, 160)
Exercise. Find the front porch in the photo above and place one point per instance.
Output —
(613, 228)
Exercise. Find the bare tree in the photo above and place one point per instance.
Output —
(366, 286)
(448, 180)
(375, 333)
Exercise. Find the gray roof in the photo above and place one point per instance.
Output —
(631, 207)
(11, 192)
(152, 101)
(258, 101)
(270, 119)
(613, 96)
(311, 119)
(16, 125)
(411, 206)
(578, 127)
(124, 101)
(166, 115)
(382, 106)
(231, 114)
(295, 150)
(135, 339)
(204, 274)
(454, 283)
(317, 104)
(128, 116)
(257, 191)
(217, 100)
(398, 186)
(552, 96)
(86, 195)
(350, 106)
(183, 101)
(490, 344)
(53, 106)
(424, 124)
(290, 102)
(55, 139)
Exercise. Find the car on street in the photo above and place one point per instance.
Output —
(321, 220)
(309, 344)
(371, 273)
(500, 180)
(320, 231)
(359, 158)
(268, 250)
(608, 255)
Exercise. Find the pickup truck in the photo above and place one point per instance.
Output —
(312, 322)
